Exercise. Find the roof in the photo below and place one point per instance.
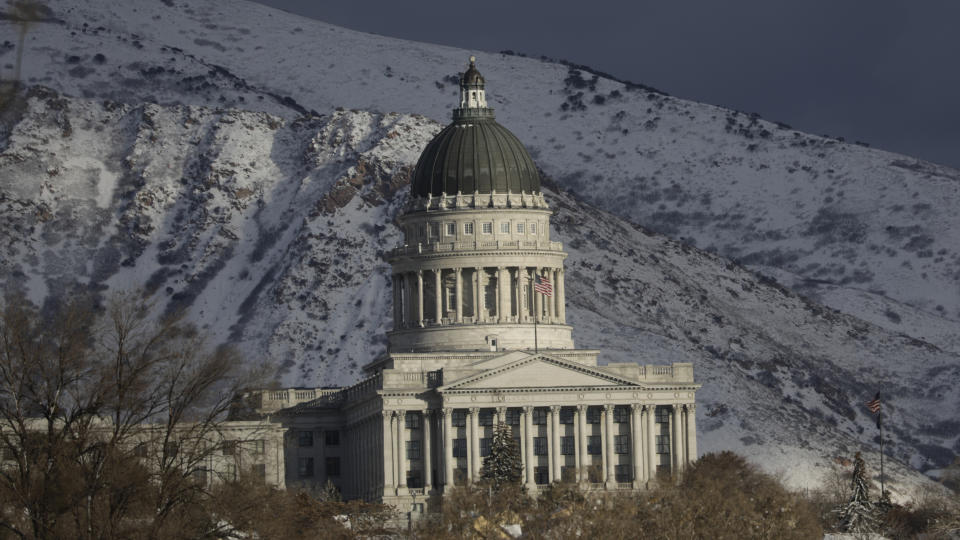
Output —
(475, 154)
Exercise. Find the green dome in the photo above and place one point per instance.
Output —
(474, 154)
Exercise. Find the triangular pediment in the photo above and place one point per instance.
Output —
(539, 371)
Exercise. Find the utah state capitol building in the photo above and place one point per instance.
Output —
(480, 337)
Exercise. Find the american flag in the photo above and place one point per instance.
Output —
(541, 284)
(874, 404)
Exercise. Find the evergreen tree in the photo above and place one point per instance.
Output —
(503, 465)
(859, 515)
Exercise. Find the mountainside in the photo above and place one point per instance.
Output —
(188, 160)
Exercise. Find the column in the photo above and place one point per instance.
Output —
(477, 297)
(561, 298)
(581, 453)
(427, 417)
(608, 441)
(438, 296)
(636, 444)
(555, 455)
(518, 292)
(537, 300)
(651, 442)
(475, 443)
(395, 281)
(528, 447)
(388, 459)
(401, 453)
(448, 459)
(420, 298)
(553, 299)
(691, 453)
(498, 295)
(458, 291)
(676, 443)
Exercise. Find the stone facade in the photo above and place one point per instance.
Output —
(473, 345)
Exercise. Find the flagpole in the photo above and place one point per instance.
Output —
(880, 425)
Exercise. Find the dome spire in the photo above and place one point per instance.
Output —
(472, 93)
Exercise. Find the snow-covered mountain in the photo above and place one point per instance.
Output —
(172, 144)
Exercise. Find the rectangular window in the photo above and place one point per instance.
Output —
(422, 231)
(412, 420)
(566, 415)
(513, 417)
(259, 471)
(486, 417)
(663, 444)
(414, 479)
(258, 447)
(434, 231)
(305, 467)
(621, 444)
(333, 466)
(533, 228)
(452, 229)
(140, 450)
(229, 448)
(484, 447)
(539, 446)
(200, 476)
(541, 475)
(486, 228)
(593, 415)
(662, 413)
(621, 414)
(540, 417)
(459, 418)
(331, 437)
(413, 449)
(622, 473)
(230, 472)
(505, 227)
(459, 448)
(568, 474)
(304, 439)
(520, 228)
(468, 228)
(566, 446)
(593, 445)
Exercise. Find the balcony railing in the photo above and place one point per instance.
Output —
(500, 245)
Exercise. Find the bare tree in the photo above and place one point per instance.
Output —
(109, 420)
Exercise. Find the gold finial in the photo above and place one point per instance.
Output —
(473, 59)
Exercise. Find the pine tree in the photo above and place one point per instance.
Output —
(859, 515)
(503, 465)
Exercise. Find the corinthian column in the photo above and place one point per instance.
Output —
(636, 444)
(498, 296)
(401, 453)
(438, 296)
(448, 459)
(691, 432)
(677, 442)
(475, 444)
(608, 439)
(582, 456)
(427, 419)
(478, 297)
(420, 298)
(652, 442)
(388, 453)
(459, 293)
(528, 448)
(554, 312)
(555, 454)
(561, 298)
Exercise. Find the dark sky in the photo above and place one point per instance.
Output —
(883, 72)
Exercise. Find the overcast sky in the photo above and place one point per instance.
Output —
(883, 72)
